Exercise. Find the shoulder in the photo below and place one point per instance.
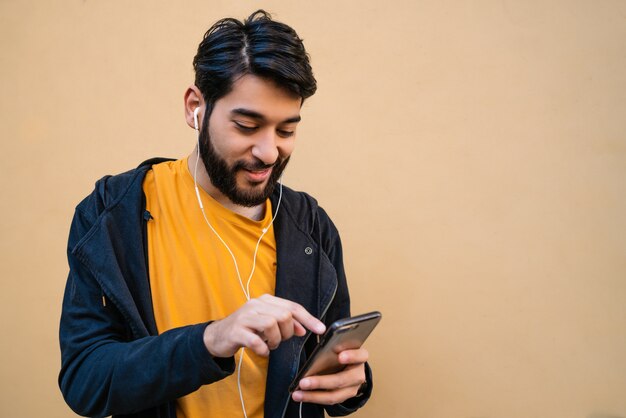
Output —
(110, 192)
(305, 211)
(111, 189)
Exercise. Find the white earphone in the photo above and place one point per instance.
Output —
(195, 117)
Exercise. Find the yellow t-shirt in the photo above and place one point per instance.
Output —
(193, 278)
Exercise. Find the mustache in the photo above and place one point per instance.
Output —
(256, 165)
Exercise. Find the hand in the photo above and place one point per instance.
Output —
(261, 325)
(335, 388)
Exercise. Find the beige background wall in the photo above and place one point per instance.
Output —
(472, 153)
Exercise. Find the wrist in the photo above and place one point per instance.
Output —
(207, 338)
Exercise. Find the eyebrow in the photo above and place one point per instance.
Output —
(258, 116)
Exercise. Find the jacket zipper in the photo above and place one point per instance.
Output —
(301, 348)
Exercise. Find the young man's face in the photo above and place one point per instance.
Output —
(250, 138)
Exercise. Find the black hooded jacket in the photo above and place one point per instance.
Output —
(114, 362)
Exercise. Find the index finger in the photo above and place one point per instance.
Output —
(299, 314)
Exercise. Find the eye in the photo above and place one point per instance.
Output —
(284, 134)
(245, 128)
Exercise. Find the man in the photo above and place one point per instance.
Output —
(192, 283)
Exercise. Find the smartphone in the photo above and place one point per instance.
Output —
(344, 334)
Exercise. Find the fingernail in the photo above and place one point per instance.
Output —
(305, 383)
(297, 396)
(321, 328)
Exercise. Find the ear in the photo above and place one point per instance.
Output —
(193, 99)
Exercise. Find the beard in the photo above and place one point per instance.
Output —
(224, 178)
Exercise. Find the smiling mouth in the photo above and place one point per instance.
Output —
(258, 176)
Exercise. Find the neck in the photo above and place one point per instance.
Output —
(255, 213)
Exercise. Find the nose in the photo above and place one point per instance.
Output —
(265, 148)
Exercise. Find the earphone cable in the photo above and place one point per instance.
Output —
(246, 289)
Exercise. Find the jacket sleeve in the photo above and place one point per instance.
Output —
(340, 308)
(105, 368)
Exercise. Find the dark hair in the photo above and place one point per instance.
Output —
(258, 46)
